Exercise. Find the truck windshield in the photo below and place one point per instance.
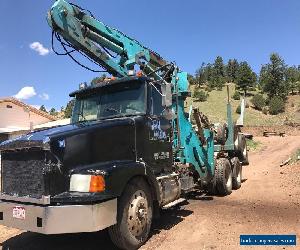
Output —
(111, 101)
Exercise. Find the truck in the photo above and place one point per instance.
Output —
(133, 147)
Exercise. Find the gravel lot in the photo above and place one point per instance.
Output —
(267, 203)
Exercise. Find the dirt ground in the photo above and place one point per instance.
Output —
(267, 203)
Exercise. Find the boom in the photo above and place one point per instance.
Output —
(120, 55)
(98, 40)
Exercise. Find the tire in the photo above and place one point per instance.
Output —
(134, 217)
(211, 187)
(223, 176)
(242, 149)
(236, 173)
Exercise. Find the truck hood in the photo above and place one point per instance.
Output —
(46, 158)
(42, 137)
(36, 138)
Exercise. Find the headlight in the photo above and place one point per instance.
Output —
(87, 183)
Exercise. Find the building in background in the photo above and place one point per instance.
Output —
(52, 124)
(17, 118)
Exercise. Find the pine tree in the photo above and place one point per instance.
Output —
(69, 108)
(273, 77)
(232, 68)
(208, 72)
(201, 76)
(263, 76)
(191, 79)
(53, 112)
(42, 108)
(218, 74)
(292, 77)
(246, 78)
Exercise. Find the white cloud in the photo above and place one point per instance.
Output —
(25, 93)
(39, 48)
(44, 96)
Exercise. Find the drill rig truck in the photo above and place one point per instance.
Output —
(130, 150)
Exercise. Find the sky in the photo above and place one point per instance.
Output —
(188, 32)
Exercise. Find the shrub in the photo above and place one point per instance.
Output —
(236, 95)
(265, 110)
(258, 101)
(298, 86)
(238, 109)
(252, 88)
(208, 88)
(200, 95)
(276, 105)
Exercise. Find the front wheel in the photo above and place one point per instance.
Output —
(134, 218)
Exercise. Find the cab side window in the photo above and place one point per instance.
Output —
(156, 100)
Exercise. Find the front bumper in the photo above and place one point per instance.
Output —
(60, 219)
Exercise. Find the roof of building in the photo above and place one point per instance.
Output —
(8, 130)
(53, 124)
(30, 108)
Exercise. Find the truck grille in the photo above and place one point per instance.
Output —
(25, 173)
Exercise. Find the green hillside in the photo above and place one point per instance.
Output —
(215, 109)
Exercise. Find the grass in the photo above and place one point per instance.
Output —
(215, 109)
(253, 145)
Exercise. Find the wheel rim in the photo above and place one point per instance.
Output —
(229, 179)
(137, 213)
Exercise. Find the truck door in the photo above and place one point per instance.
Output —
(160, 146)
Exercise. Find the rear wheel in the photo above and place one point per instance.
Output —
(134, 218)
(236, 173)
(223, 176)
(211, 187)
(242, 149)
